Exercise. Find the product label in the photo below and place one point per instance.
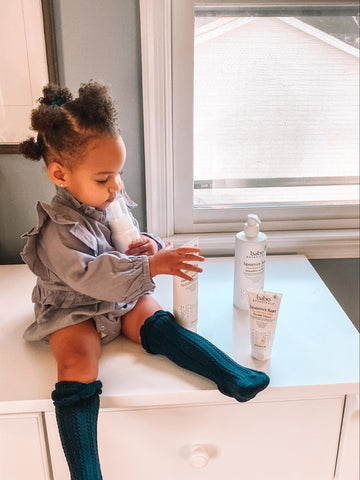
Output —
(261, 339)
(254, 263)
(264, 308)
(250, 273)
(185, 302)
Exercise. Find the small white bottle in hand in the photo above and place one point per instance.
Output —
(123, 230)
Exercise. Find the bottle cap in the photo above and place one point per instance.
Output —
(251, 228)
(121, 220)
(118, 208)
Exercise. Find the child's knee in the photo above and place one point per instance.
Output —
(133, 320)
(77, 352)
(78, 366)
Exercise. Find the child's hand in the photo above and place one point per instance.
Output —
(144, 246)
(174, 262)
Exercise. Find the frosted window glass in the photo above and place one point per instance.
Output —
(276, 98)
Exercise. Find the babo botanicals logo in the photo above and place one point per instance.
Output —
(256, 254)
(262, 298)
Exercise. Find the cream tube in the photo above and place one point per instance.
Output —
(185, 303)
(264, 310)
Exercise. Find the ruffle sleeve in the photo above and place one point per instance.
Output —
(63, 251)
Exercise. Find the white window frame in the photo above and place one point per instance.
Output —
(167, 73)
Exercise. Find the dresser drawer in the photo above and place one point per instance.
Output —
(290, 440)
(23, 453)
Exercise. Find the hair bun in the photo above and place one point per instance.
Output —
(53, 95)
(53, 124)
(30, 149)
(94, 107)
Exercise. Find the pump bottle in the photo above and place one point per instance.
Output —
(123, 230)
(250, 256)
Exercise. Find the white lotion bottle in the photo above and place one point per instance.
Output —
(123, 230)
(250, 256)
(185, 296)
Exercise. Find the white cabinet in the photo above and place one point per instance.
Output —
(292, 440)
(161, 422)
(23, 454)
(349, 446)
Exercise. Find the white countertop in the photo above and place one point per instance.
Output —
(315, 351)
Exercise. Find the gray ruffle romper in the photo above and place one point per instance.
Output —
(80, 275)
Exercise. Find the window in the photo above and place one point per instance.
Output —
(259, 113)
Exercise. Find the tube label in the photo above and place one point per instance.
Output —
(185, 302)
(264, 310)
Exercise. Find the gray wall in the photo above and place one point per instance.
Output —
(101, 40)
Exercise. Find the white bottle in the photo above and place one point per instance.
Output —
(250, 256)
(123, 230)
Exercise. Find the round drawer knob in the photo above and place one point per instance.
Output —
(199, 457)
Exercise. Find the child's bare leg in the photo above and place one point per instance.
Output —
(76, 397)
(77, 352)
(132, 321)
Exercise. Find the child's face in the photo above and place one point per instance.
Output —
(96, 180)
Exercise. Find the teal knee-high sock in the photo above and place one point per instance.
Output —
(160, 334)
(77, 408)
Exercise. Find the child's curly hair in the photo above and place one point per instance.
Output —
(65, 126)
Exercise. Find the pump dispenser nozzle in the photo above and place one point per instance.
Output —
(251, 227)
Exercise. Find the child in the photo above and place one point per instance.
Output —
(87, 293)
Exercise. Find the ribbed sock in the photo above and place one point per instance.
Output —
(160, 334)
(77, 408)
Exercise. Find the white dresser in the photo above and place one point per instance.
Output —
(161, 422)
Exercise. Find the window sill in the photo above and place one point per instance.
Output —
(313, 244)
